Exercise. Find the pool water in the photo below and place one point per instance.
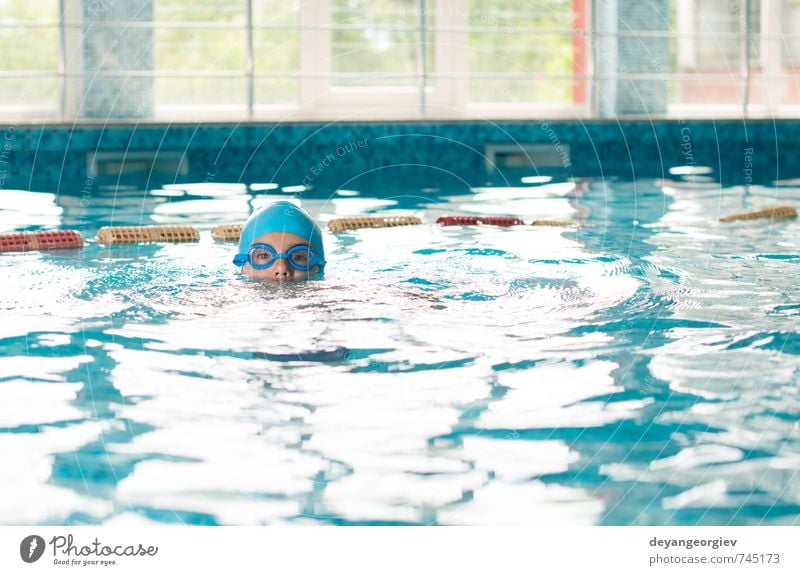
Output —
(640, 367)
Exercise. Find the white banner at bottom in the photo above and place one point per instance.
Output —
(399, 550)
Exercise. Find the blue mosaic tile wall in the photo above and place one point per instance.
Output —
(56, 159)
(117, 50)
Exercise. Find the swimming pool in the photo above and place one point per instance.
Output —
(640, 367)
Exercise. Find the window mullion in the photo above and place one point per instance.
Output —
(773, 81)
(249, 60)
(73, 38)
(452, 54)
(315, 54)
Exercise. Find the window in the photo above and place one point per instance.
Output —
(29, 48)
(276, 55)
(376, 58)
(394, 59)
(200, 53)
(522, 51)
(709, 51)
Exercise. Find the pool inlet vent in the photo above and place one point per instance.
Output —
(227, 232)
(119, 235)
(341, 224)
(772, 213)
(503, 221)
(36, 241)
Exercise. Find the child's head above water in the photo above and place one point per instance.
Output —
(280, 242)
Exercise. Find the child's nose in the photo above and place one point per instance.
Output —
(282, 270)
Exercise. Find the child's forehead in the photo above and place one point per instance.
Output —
(281, 240)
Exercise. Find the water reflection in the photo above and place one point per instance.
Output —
(602, 373)
(740, 458)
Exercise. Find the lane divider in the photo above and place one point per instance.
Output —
(503, 221)
(120, 235)
(123, 235)
(358, 222)
(227, 232)
(36, 241)
(778, 212)
(552, 223)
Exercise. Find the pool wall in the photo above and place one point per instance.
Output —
(59, 158)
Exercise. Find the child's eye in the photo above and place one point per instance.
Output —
(300, 257)
(260, 256)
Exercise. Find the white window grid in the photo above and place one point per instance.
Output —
(320, 99)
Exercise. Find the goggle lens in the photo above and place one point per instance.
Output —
(261, 257)
(301, 258)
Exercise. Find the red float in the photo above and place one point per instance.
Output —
(33, 241)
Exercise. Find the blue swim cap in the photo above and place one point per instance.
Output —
(286, 217)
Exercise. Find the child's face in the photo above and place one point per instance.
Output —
(280, 271)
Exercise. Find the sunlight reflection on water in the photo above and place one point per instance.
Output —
(609, 372)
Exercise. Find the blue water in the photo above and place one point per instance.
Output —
(640, 367)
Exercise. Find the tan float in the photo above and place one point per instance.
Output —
(553, 223)
(227, 232)
(120, 235)
(773, 213)
(358, 222)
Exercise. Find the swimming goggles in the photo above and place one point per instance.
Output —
(261, 256)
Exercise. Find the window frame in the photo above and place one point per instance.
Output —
(319, 100)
